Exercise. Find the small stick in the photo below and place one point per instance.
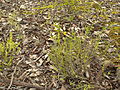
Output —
(17, 83)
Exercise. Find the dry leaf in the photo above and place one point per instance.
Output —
(63, 88)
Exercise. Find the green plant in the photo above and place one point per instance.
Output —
(80, 86)
(67, 9)
(115, 34)
(8, 50)
(12, 20)
(60, 10)
(71, 55)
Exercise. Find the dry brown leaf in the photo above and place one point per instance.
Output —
(63, 88)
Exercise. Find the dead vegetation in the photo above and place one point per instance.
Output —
(44, 27)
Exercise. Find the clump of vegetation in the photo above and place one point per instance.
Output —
(115, 34)
(8, 50)
(72, 55)
(72, 52)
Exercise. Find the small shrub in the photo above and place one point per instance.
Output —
(72, 55)
(8, 50)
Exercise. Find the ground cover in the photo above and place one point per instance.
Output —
(59, 45)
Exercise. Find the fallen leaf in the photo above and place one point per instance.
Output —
(63, 88)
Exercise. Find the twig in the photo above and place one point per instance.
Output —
(13, 75)
(17, 83)
(11, 82)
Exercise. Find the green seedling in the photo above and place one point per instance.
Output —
(8, 50)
